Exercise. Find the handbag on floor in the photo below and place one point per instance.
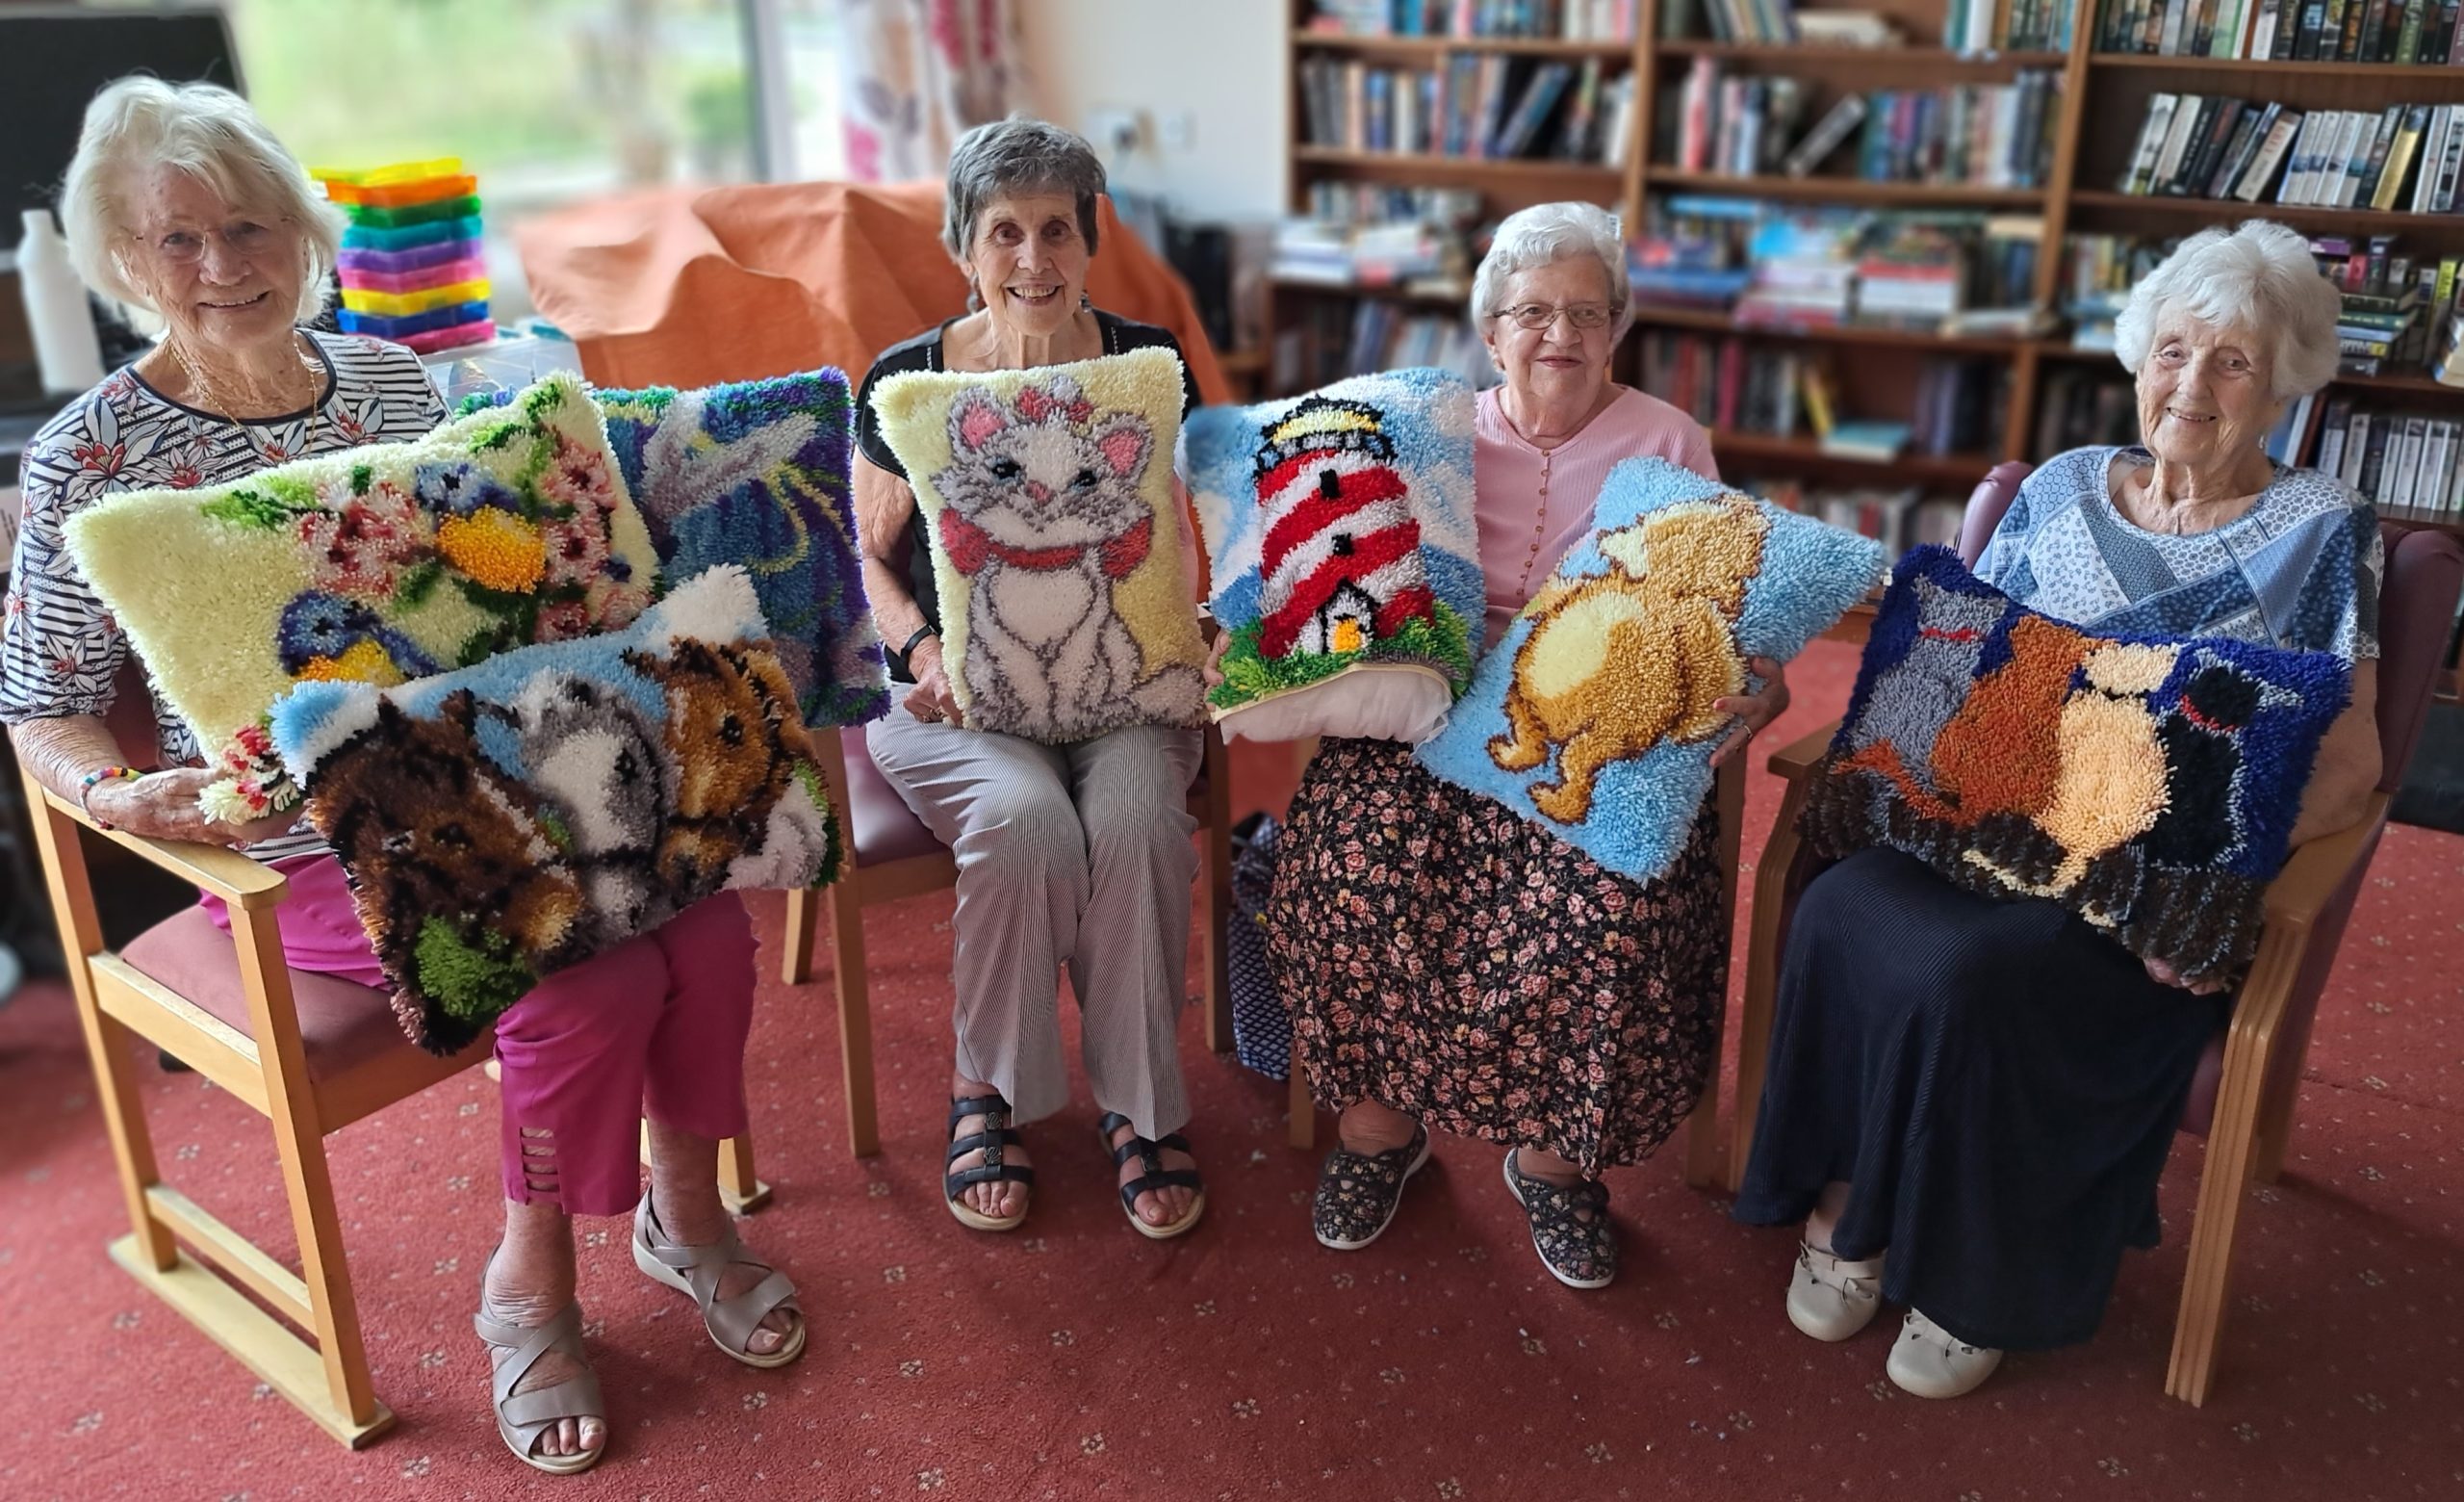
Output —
(1261, 1025)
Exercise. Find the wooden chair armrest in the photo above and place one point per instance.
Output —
(2314, 871)
(239, 881)
(1798, 756)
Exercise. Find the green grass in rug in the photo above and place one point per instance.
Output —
(1444, 643)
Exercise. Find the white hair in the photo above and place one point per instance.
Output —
(1546, 232)
(2260, 277)
(211, 134)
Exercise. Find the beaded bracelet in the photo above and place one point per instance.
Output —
(86, 786)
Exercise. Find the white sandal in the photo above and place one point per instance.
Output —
(696, 1271)
(522, 1417)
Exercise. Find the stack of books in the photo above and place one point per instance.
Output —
(1803, 270)
(1911, 274)
(2405, 158)
(1478, 105)
(2325, 31)
(1402, 253)
(1694, 253)
(1564, 21)
(1983, 135)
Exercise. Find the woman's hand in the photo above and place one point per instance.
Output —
(2165, 974)
(1755, 711)
(931, 699)
(1212, 672)
(164, 805)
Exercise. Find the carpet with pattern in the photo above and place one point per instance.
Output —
(1076, 1360)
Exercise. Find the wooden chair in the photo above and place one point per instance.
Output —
(2243, 1097)
(310, 1052)
(1703, 1142)
(894, 856)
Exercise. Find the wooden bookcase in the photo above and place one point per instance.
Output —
(2097, 123)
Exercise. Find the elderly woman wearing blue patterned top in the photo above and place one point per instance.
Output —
(1974, 1098)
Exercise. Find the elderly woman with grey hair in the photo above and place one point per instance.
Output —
(1075, 855)
(1969, 1101)
(1483, 977)
(180, 201)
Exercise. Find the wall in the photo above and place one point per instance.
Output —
(1201, 79)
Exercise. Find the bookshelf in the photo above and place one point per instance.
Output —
(2092, 119)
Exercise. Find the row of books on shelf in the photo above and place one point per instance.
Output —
(1326, 342)
(1475, 105)
(2324, 31)
(1898, 518)
(2410, 462)
(1450, 210)
(1395, 253)
(1733, 385)
(2006, 26)
(1772, 267)
(1983, 135)
(1560, 20)
(2405, 158)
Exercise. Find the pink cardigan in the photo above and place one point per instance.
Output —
(1529, 495)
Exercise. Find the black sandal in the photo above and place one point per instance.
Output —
(996, 1133)
(1570, 1227)
(1150, 1157)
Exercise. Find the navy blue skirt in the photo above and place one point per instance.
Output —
(1998, 1083)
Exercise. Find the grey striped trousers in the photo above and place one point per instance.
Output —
(1075, 855)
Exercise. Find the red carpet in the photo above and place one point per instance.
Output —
(1074, 1359)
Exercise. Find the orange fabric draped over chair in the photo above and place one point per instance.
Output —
(688, 286)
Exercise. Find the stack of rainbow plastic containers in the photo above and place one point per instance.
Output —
(411, 268)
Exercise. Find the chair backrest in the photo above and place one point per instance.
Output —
(1986, 506)
(2416, 616)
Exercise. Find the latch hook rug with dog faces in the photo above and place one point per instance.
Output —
(2147, 784)
(1594, 715)
(1067, 608)
(502, 822)
(1345, 556)
(374, 564)
(755, 473)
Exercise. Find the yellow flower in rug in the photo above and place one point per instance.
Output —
(496, 548)
(363, 662)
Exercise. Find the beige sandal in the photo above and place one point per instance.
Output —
(696, 1271)
(522, 1417)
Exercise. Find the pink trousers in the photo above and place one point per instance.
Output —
(656, 1027)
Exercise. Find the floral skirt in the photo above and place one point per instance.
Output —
(1452, 960)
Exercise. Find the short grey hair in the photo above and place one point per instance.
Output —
(1003, 158)
(211, 134)
(2260, 277)
(1546, 232)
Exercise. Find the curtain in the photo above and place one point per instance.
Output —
(919, 73)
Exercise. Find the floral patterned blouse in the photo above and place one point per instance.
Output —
(59, 650)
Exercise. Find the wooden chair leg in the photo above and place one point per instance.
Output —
(2276, 1123)
(854, 1020)
(351, 1411)
(1215, 886)
(1702, 1144)
(795, 947)
(1761, 978)
(740, 1189)
(2223, 1185)
(1302, 1130)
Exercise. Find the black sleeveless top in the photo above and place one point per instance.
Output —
(923, 353)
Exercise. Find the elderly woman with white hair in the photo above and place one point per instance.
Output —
(1969, 1100)
(181, 202)
(1575, 1025)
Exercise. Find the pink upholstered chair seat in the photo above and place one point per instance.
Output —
(342, 1023)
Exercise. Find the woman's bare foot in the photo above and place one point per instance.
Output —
(1000, 1199)
(1157, 1207)
(529, 1282)
(684, 1196)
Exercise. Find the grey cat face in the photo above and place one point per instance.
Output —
(1947, 610)
(591, 753)
(1045, 472)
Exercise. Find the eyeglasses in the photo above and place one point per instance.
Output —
(245, 239)
(1588, 317)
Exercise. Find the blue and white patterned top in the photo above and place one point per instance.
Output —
(60, 649)
(2300, 569)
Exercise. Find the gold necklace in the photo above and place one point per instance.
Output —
(214, 402)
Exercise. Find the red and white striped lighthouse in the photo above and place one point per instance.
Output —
(1341, 562)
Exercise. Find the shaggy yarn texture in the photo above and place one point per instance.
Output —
(1066, 609)
(509, 819)
(372, 565)
(1346, 557)
(1595, 712)
(2147, 784)
(755, 473)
